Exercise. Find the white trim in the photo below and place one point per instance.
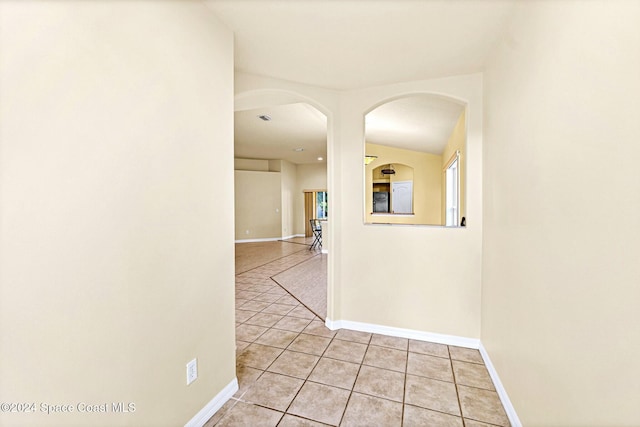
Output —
(292, 236)
(269, 239)
(200, 419)
(502, 393)
(404, 333)
(455, 156)
(391, 214)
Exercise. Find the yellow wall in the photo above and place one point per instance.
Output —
(457, 142)
(116, 260)
(561, 274)
(427, 183)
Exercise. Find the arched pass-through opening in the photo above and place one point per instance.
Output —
(291, 145)
(421, 131)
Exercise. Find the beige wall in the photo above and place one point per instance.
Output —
(560, 273)
(457, 142)
(251, 164)
(258, 205)
(427, 183)
(275, 165)
(308, 177)
(288, 186)
(265, 198)
(116, 264)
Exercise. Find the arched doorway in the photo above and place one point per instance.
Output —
(302, 166)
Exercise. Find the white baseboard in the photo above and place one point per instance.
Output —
(212, 407)
(404, 333)
(269, 239)
(502, 393)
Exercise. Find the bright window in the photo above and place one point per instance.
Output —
(321, 205)
(452, 193)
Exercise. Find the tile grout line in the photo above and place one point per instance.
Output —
(455, 384)
(293, 296)
(354, 381)
(404, 391)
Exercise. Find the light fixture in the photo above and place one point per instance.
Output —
(264, 117)
(368, 159)
(388, 170)
(320, 159)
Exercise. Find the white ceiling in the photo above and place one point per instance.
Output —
(350, 44)
(291, 126)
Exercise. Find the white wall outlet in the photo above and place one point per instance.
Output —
(192, 371)
(247, 232)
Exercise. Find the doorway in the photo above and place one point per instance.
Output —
(282, 133)
(316, 206)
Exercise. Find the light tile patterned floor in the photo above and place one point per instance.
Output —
(293, 371)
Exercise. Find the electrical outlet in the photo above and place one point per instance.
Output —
(192, 371)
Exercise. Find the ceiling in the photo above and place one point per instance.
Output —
(418, 123)
(350, 44)
(292, 126)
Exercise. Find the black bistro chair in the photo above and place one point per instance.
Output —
(317, 233)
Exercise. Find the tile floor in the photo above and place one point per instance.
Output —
(293, 371)
(307, 281)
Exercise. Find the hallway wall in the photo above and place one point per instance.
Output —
(562, 190)
(116, 259)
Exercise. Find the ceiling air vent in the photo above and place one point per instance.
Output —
(264, 117)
